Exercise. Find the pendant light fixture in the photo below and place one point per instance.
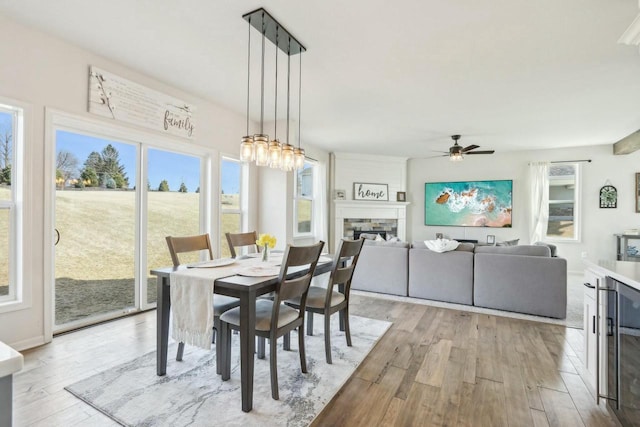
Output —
(258, 148)
(298, 153)
(288, 159)
(261, 140)
(247, 151)
(275, 148)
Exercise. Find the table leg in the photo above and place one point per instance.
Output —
(162, 328)
(247, 347)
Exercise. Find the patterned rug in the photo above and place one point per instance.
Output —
(192, 394)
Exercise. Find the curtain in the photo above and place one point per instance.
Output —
(539, 200)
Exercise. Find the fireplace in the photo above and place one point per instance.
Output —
(357, 233)
(355, 217)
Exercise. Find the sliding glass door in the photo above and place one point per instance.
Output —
(115, 201)
(95, 212)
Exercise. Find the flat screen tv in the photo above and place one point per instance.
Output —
(468, 203)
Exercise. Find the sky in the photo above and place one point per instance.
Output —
(175, 168)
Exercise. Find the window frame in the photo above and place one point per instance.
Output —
(19, 296)
(577, 204)
(296, 197)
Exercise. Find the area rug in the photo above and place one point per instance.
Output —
(191, 394)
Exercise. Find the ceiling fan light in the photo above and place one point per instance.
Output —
(456, 157)
(247, 153)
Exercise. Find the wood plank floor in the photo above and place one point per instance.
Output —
(435, 367)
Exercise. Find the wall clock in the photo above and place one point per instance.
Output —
(608, 197)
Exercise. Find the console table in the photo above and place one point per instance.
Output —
(622, 245)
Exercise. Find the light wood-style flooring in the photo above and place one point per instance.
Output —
(435, 366)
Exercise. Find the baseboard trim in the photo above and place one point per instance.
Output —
(29, 343)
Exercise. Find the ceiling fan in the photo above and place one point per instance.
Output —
(456, 151)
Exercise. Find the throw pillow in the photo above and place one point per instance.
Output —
(379, 238)
(513, 242)
(441, 245)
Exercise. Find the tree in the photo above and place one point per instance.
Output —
(183, 188)
(164, 185)
(107, 167)
(67, 164)
(90, 177)
(5, 149)
(5, 175)
(111, 165)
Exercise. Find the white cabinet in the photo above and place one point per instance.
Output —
(592, 281)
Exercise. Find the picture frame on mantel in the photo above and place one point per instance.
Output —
(401, 196)
(368, 191)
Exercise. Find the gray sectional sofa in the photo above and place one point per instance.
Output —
(524, 279)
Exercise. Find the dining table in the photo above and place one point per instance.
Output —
(247, 290)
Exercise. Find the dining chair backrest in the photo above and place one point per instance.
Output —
(344, 264)
(236, 240)
(297, 256)
(178, 245)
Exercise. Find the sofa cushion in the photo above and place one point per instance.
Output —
(390, 244)
(530, 250)
(513, 242)
(552, 248)
(441, 276)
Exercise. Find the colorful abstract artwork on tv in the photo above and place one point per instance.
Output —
(468, 203)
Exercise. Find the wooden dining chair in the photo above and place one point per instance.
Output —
(335, 297)
(221, 303)
(237, 240)
(273, 318)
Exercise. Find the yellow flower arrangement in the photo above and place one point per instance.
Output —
(266, 239)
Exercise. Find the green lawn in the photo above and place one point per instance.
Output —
(95, 255)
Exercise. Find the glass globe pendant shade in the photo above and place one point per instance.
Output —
(455, 157)
(288, 158)
(298, 155)
(275, 154)
(261, 149)
(247, 152)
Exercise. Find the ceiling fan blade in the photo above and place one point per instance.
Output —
(469, 148)
(481, 152)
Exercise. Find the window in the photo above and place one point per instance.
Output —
(564, 208)
(303, 203)
(230, 201)
(11, 141)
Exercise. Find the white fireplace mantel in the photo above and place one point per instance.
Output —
(369, 209)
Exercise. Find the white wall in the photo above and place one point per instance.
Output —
(46, 72)
(598, 226)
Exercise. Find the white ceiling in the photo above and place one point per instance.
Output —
(388, 77)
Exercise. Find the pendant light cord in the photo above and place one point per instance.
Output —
(262, 81)
(288, 84)
(248, 75)
(300, 101)
(275, 118)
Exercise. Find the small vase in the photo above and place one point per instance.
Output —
(265, 253)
